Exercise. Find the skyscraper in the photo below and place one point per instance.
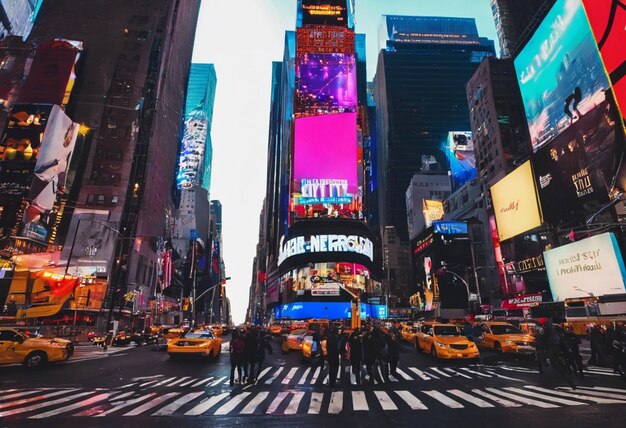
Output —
(512, 17)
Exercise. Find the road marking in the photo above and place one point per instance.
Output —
(182, 379)
(17, 395)
(352, 377)
(380, 374)
(336, 403)
(499, 400)
(599, 372)
(359, 402)
(589, 391)
(475, 372)
(231, 404)
(445, 400)
(128, 385)
(576, 395)
(410, 399)
(392, 378)
(325, 381)
(600, 388)
(292, 408)
(203, 381)
(385, 400)
(263, 373)
(218, 381)
(403, 374)
(470, 398)
(189, 382)
(279, 399)
(36, 398)
(207, 404)
(441, 372)
(45, 404)
(523, 400)
(420, 373)
(152, 404)
(545, 397)
(602, 369)
(88, 402)
(146, 377)
(289, 376)
(316, 403)
(519, 369)
(125, 404)
(270, 380)
(254, 403)
(148, 383)
(455, 373)
(506, 377)
(316, 373)
(115, 397)
(175, 405)
(163, 382)
(304, 376)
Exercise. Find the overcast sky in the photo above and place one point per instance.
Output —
(242, 38)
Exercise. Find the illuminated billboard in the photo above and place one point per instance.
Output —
(325, 83)
(515, 203)
(433, 211)
(561, 76)
(325, 12)
(326, 162)
(590, 267)
(192, 151)
(324, 39)
(460, 153)
(608, 22)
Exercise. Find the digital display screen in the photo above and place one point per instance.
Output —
(192, 150)
(460, 153)
(324, 12)
(325, 83)
(561, 76)
(329, 310)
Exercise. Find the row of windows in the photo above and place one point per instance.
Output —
(102, 200)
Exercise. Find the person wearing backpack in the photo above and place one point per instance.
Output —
(236, 349)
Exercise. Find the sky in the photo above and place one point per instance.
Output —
(242, 38)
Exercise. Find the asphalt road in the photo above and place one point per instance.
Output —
(127, 387)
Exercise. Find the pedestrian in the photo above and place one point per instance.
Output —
(596, 341)
(371, 353)
(250, 354)
(317, 355)
(263, 344)
(332, 355)
(541, 344)
(237, 352)
(355, 347)
(393, 351)
(573, 342)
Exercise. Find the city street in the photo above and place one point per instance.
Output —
(129, 386)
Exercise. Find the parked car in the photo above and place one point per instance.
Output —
(20, 347)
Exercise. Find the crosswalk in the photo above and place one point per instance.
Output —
(43, 404)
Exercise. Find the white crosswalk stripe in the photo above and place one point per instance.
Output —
(231, 404)
(289, 376)
(202, 382)
(189, 382)
(271, 379)
(385, 400)
(263, 373)
(496, 399)
(413, 402)
(455, 373)
(544, 397)
(475, 372)
(218, 381)
(359, 402)
(176, 382)
(438, 371)
(151, 404)
(38, 406)
(421, 374)
(84, 403)
(292, 408)
(597, 393)
(32, 399)
(175, 405)
(125, 404)
(577, 396)
(523, 400)
(470, 398)
(600, 388)
(316, 403)
(315, 375)
(444, 399)
(403, 374)
(19, 394)
(277, 402)
(304, 376)
(254, 403)
(206, 404)
(336, 403)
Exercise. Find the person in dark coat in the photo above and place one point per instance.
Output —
(332, 355)
(371, 354)
(317, 354)
(574, 358)
(250, 352)
(356, 353)
(393, 351)
(262, 345)
(237, 350)
(596, 339)
(542, 344)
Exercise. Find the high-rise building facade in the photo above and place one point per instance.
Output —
(512, 18)
(18, 16)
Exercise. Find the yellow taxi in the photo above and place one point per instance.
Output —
(217, 330)
(173, 332)
(275, 329)
(307, 345)
(504, 337)
(22, 347)
(409, 333)
(445, 341)
(199, 343)
(293, 340)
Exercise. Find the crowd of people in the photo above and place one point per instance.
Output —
(247, 354)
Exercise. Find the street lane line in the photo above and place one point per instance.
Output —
(336, 403)
(304, 376)
(263, 373)
(231, 404)
(545, 397)
(316, 373)
(601, 369)
(475, 372)
(441, 372)
(289, 376)
(444, 399)
(274, 376)
(189, 382)
(18, 394)
(218, 381)
(148, 383)
(45, 404)
(410, 399)
(175, 405)
(455, 373)
(523, 400)
(36, 398)
(207, 404)
(124, 404)
(603, 373)
(420, 373)
(470, 398)
(589, 391)
(152, 404)
(601, 388)
(163, 382)
(292, 408)
(88, 402)
(279, 399)
(128, 385)
(316, 403)
(576, 396)
(182, 379)
(495, 399)
(403, 374)
(359, 402)
(385, 400)
(203, 381)
(254, 403)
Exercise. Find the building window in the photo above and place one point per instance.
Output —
(89, 199)
(100, 199)
(114, 200)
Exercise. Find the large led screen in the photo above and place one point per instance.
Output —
(192, 151)
(326, 83)
(515, 203)
(593, 266)
(608, 20)
(460, 153)
(560, 73)
(325, 160)
(324, 12)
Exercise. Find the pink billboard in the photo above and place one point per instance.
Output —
(325, 160)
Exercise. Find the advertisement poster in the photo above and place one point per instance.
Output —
(608, 20)
(516, 211)
(50, 174)
(325, 287)
(39, 294)
(325, 12)
(561, 76)
(459, 150)
(590, 267)
(324, 39)
(433, 211)
(192, 151)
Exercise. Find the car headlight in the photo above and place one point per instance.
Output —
(58, 344)
(510, 343)
(441, 345)
(472, 345)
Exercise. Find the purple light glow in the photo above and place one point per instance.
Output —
(329, 78)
